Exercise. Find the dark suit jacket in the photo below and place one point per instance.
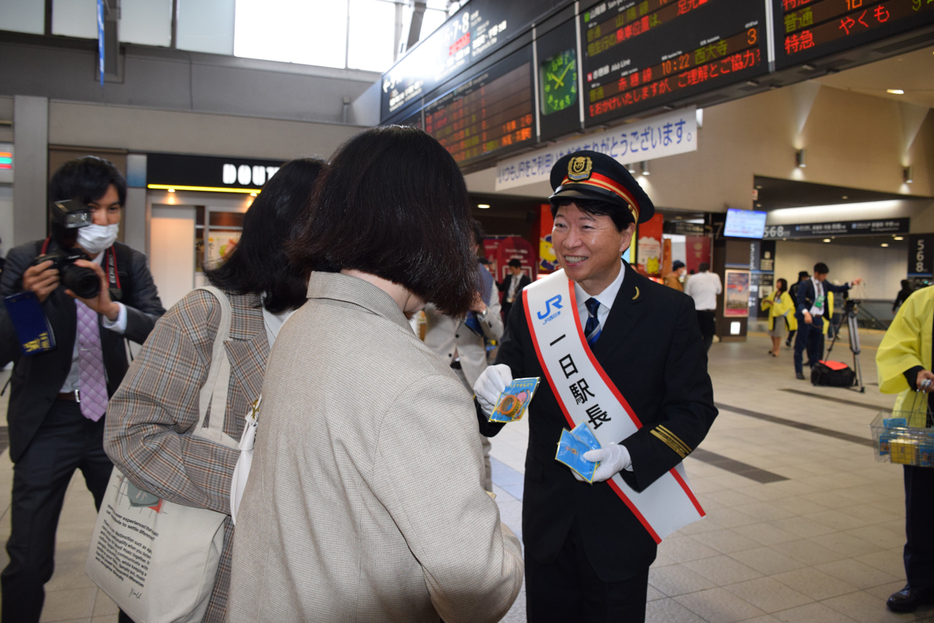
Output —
(652, 350)
(805, 296)
(39, 378)
(504, 288)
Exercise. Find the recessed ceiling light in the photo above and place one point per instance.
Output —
(844, 197)
(826, 239)
(885, 244)
(171, 190)
(895, 91)
(483, 206)
(759, 186)
(898, 238)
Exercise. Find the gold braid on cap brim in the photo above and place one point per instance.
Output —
(604, 183)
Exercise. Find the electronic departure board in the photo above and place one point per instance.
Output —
(643, 55)
(474, 32)
(810, 29)
(487, 114)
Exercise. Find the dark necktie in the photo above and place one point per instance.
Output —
(592, 329)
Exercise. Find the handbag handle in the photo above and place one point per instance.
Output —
(214, 390)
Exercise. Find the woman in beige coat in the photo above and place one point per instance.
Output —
(365, 501)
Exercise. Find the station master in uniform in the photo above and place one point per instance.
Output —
(625, 355)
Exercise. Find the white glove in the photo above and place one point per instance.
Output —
(612, 458)
(490, 385)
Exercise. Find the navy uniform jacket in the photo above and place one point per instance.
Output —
(652, 350)
(38, 379)
(804, 298)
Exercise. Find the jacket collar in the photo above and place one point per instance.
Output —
(625, 309)
(247, 347)
(347, 289)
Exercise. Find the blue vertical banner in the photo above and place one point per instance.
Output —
(100, 38)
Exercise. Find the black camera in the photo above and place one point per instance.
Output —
(67, 217)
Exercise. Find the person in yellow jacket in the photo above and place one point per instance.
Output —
(904, 367)
(781, 310)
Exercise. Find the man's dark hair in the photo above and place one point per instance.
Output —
(86, 179)
(821, 269)
(515, 263)
(259, 264)
(703, 268)
(393, 203)
(622, 218)
(803, 275)
(478, 233)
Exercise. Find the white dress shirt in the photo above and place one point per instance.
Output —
(605, 298)
(704, 288)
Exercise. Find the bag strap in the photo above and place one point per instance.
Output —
(214, 390)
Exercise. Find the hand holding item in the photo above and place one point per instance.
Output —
(490, 385)
(925, 381)
(102, 303)
(41, 279)
(807, 318)
(612, 457)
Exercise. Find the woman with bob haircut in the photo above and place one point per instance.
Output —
(151, 417)
(365, 501)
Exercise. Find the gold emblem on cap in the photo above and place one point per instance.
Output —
(579, 168)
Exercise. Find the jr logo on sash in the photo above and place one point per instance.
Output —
(585, 393)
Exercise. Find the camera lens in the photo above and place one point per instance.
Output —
(84, 282)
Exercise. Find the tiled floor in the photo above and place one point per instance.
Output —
(802, 525)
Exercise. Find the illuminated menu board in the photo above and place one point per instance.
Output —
(486, 115)
(643, 55)
(474, 32)
(810, 29)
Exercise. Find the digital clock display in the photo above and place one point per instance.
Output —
(644, 55)
(808, 29)
(485, 115)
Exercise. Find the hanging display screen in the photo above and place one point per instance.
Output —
(485, 115)
(810, 29)
(643, 55)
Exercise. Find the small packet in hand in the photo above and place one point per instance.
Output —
(515, 399)
(571, 452)
(584, 434)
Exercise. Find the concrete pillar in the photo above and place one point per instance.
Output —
(30, 187)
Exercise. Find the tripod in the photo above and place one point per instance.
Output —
(850, 312)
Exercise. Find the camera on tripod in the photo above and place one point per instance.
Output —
(67, 217)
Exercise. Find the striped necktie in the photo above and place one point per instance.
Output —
(592, 329)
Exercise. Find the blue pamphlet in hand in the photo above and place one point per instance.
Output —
(29, 321)
(583, 434)
(571, 452)
(515, 399)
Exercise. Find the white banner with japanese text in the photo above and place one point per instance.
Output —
(664, 135)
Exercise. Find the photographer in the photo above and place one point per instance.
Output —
(59, 397)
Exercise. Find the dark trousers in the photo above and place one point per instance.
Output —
(66, 441)
(810, 337)
(570, 590)
(919, 508)
(707, 320)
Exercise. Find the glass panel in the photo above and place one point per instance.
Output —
(23, 16)
(312, 32)
(371, 34)
(226, 219)
(206, 26)
(431, 21)
(147, 22)
(75, 18)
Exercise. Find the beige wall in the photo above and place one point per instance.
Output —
(146, 130)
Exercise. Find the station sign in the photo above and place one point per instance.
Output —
(839, 228)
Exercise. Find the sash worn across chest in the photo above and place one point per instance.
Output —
(585, 393)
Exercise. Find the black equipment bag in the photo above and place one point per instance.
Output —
(832, 374)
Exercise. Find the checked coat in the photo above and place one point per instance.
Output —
(152, 415)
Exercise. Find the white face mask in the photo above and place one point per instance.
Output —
(96, 238)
